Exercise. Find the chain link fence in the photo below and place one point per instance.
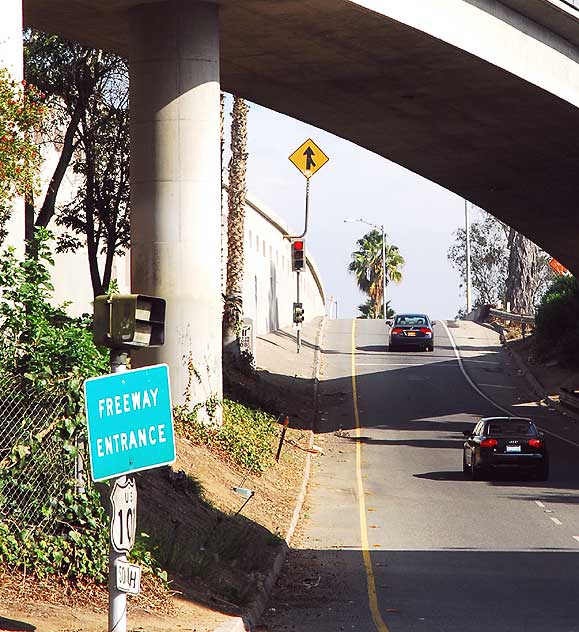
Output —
(27, 414)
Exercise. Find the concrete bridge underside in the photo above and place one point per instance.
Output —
(505, 142)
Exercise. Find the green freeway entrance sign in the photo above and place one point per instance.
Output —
(130, 421)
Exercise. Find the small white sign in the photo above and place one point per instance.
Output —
(128, 577)
(124, 515)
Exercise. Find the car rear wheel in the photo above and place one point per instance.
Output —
(430, 348)
(391, 347)
(474, 469)
(465, 466)
(542, 473)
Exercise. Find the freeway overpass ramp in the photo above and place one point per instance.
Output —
(480, 96)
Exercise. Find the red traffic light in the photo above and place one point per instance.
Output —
(298, 245)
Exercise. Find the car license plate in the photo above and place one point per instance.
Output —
(513, 448)
(411, 333)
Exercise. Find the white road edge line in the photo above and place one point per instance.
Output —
(512, 388)
(488, 399)
(556, 521)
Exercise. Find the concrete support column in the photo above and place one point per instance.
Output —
(176, 186)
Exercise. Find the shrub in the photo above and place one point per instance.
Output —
(245, 437)
(44, 350)
(557, 321)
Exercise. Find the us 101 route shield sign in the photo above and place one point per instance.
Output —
(130, 421)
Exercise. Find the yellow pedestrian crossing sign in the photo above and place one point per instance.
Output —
(308, 158)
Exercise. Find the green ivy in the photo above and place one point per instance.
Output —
(246, 435)
(44, 350)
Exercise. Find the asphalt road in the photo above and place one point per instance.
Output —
(395, 539)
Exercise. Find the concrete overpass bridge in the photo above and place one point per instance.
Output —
(480, 96)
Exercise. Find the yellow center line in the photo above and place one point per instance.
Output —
(371, 582)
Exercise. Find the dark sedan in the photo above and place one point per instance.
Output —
(503, 444)
(411, 330)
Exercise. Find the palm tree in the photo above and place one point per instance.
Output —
(367, 310)
(233, 308)
(367, 267)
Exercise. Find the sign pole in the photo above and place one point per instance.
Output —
(308, 158)
(117, 598)
(299, 325)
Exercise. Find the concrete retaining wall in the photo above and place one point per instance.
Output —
(270, 286)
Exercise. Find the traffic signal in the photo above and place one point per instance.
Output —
(129, 321)
(298, 255)
(298, 313)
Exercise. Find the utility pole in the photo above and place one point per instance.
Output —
(383, 274)
(468, 271)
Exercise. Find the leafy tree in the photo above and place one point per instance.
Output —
(70, 75)
(366, 265)
(557, 321)
(88, 97)
(98, 217)
(505, 265)
(489, 259)
(21, 114)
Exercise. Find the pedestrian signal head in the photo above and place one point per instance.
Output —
(298, 316)
(129, 321)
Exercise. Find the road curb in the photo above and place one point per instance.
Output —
(256, 608)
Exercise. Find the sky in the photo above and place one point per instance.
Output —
(419, 216)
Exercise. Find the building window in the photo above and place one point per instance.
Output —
(257, 243)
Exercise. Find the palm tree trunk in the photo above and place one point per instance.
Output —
(233, 307)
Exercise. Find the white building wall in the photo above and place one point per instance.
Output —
(269, 285)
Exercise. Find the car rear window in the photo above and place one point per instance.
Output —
(510, 428)
(413, 321)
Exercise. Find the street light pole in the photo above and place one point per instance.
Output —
(384, 275)
(381, 228)
(468, 270)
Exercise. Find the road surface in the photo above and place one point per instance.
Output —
(395, 539)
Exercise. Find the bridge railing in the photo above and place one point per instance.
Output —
(572, 3)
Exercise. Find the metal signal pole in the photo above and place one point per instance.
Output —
(299, 325)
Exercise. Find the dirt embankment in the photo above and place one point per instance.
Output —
(216, 550)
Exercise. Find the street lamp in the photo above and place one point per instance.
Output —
(381, 227)
(468, 268)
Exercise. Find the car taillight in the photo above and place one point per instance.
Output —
(397, 330)
(425, 330)
(535, 443)
(488, 443)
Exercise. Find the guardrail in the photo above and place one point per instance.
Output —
(572, 3)
(526, 319)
